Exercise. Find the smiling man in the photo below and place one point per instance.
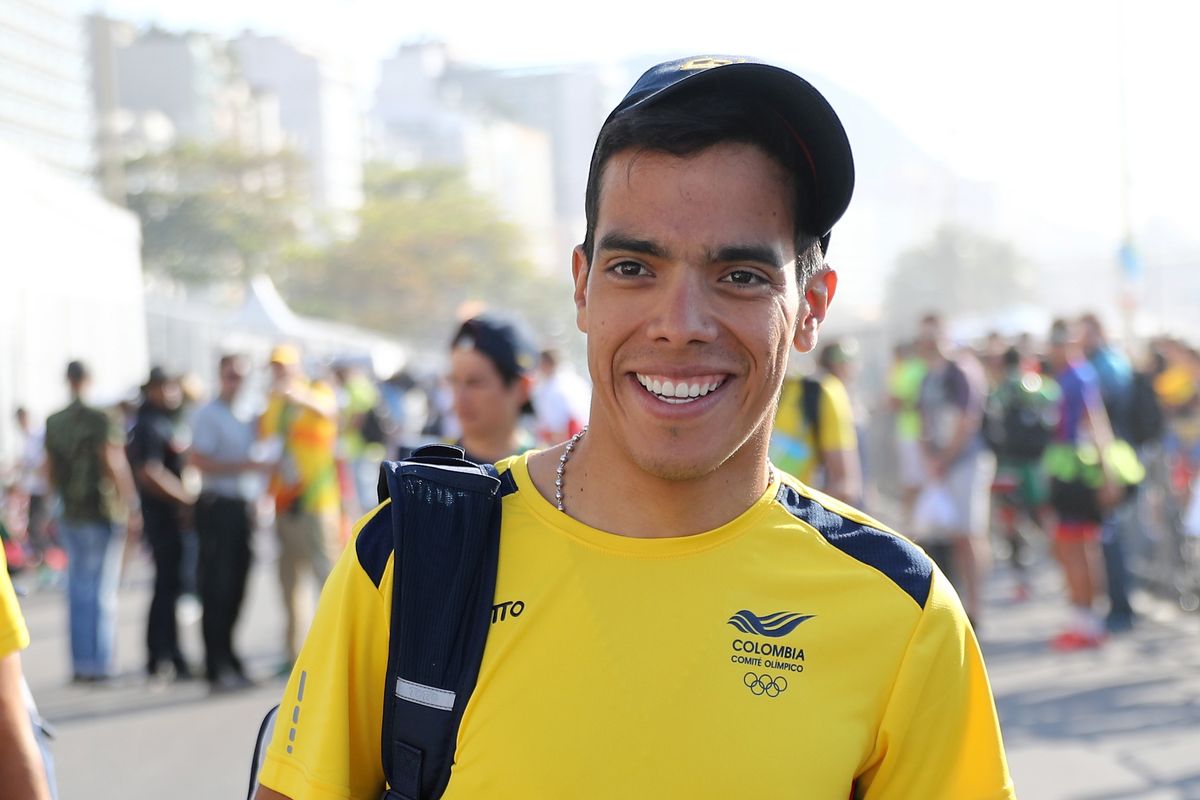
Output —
(693, 623)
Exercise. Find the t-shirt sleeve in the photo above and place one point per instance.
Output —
(836, 419)
(145, 444)
(939, 738)
(326, 744)
(14, 635)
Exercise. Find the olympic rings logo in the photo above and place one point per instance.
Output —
(770, 685)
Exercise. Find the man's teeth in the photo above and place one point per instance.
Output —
(679, 391)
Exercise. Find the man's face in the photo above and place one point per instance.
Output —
(281, 374)
(483, 403)
(233, 373)
(166, 395)
(1090, 336)
(690, 306)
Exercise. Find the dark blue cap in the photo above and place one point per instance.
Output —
(503, 341)
(801, 108)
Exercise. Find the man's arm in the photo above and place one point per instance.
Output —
(22, 773)
(939, 736)
(838, 441)
(216, 466)
(316, 400)
(843, 475)
(327, 737)
(116, 467)
(164, 483)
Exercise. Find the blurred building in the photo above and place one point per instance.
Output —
(261, 95)
(189, 332)
(45, 110)
(522, 137)
(319, 114)
(190, 80)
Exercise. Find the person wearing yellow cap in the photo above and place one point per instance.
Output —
(301, 418)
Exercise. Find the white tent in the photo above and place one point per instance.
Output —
(189, 335)
(70, 288)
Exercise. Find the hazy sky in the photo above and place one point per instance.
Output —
(1024, 95)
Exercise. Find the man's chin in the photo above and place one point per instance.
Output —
(677, 469)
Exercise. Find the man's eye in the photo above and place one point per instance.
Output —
(744, 277)
(629, 269)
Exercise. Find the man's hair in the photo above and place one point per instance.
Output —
(693, 121)
(1090, 320)
(231, 360)
(1060, 332)
(77, 372)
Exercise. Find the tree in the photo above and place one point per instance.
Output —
(216, 212)
(427, 245)
(957, 272)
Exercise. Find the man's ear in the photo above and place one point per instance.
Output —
(579, 272)
(818, 294)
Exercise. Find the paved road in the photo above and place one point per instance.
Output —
(1121, 722)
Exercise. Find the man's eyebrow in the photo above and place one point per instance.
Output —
(631, 244)
(755, 253)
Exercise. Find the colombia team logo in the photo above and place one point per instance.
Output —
(781, 623)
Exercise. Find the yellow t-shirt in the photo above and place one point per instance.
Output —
(14, 635)
(798, 651)
(308, 469)
(794, 443)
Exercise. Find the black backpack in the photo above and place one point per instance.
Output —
(1017, 424)
(810, 410)
(1146, 421)
(445, 515)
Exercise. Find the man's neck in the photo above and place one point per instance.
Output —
(604, 489)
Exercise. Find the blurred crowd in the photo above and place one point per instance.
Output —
(186, 475)
(1000, 449)
(1060, 442)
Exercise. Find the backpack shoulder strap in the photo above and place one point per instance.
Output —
(810, 407)
(446, 534)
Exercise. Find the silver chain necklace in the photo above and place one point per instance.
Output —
(562, 466)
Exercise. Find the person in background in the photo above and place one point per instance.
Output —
(357, 401)
(301, 419)
(814, 439)
(951, 403)
(838, 360)
(1087, 477)
(221, 442)
(1115, 374)
(904, 390)
(24, 767)
(31, 478)
(560, 400)
(91, 475)
(156, 455)
(491, 366)
(1019, 420)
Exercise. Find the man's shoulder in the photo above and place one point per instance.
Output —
(374, 543)
(75, 419)
(861, 538)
